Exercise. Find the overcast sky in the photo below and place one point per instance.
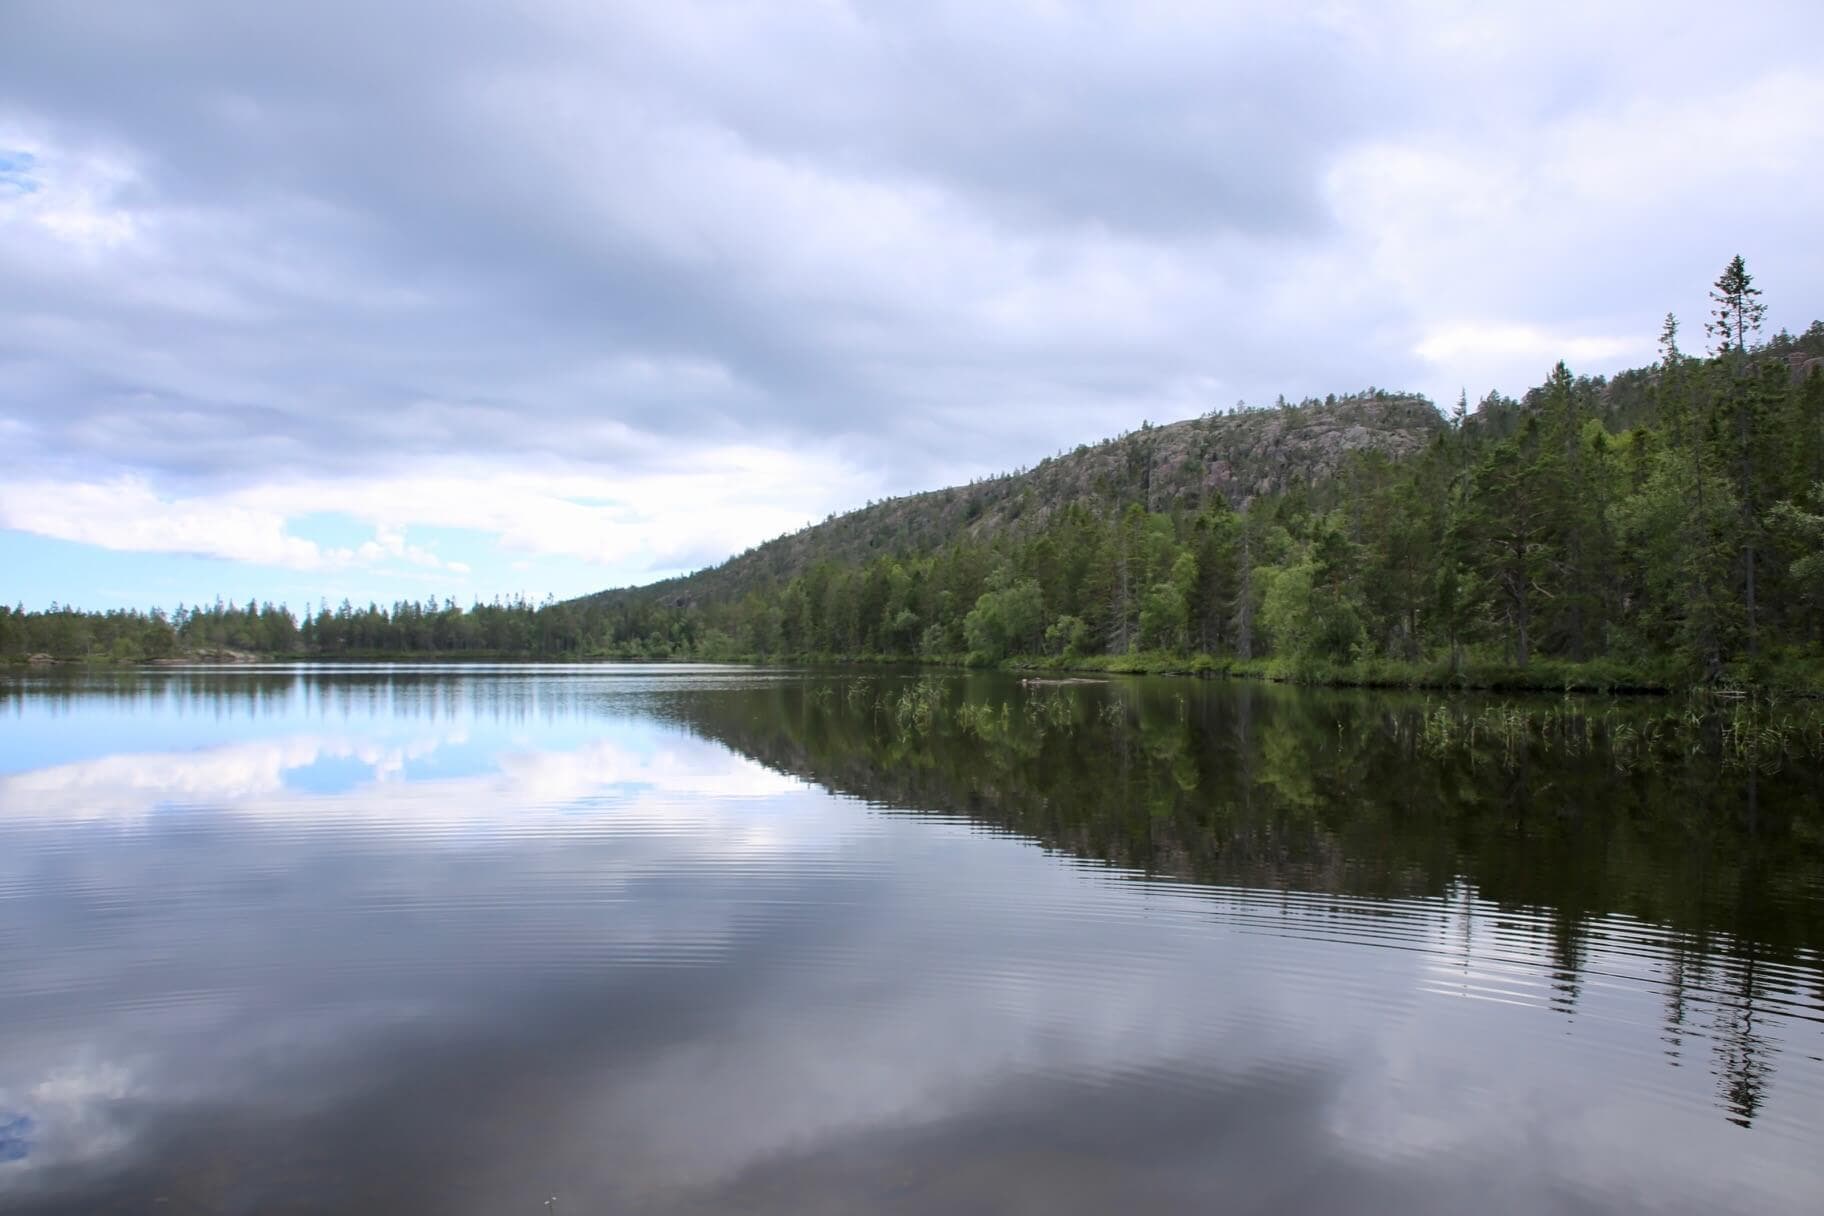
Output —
(400, 298)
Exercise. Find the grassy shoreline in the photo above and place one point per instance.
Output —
(1542, 676)
(1792, 678)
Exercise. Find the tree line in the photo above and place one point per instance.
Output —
(1666, 524)
(518, 627)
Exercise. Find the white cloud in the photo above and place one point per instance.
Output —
(71, 196)
(1454, 344)
(731, 499)
(127, 513)
(1563, 220)
(252, 781)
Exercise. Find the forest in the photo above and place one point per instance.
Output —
(1661, 528)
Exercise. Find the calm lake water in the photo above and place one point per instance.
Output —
(734, 940)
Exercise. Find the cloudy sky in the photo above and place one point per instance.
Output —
(388, 300)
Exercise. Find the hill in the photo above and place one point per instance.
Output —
(1182, 465)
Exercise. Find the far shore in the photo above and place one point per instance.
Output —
(1602, 677)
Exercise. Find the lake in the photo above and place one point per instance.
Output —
(468, 940)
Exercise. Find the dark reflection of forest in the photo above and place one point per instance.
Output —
(1256, 786)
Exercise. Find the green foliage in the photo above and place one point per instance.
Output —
(1308, 618)
(1006, 620)
(129, 636)
(1680, 526)
(1067, 637)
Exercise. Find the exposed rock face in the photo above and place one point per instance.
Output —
(211, 655)
(1238, 456)
(1244, 455)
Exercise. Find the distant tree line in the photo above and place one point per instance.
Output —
(1668, 520)
(517, 627)
(130, 635)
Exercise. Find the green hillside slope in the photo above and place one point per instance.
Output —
(1177, 467)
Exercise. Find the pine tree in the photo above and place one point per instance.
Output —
(1735, 319)
(1738, 311)
(1690, 482)
(1506, 528)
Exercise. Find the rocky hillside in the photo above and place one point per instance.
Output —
(1181, 465)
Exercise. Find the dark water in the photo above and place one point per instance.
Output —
(700, 940)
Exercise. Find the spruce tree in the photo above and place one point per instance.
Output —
(1738, 310)
(1735, 318)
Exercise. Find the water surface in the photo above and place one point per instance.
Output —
(663, 939)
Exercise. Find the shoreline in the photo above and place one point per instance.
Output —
(1596, 677)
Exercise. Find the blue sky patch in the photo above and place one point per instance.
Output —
(16, 1136)
(15, 172)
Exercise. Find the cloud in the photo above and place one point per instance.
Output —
(70, 199)
(128, 514)
(661, 520)
(1454, 343)
(262, 781)
(252, 251)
